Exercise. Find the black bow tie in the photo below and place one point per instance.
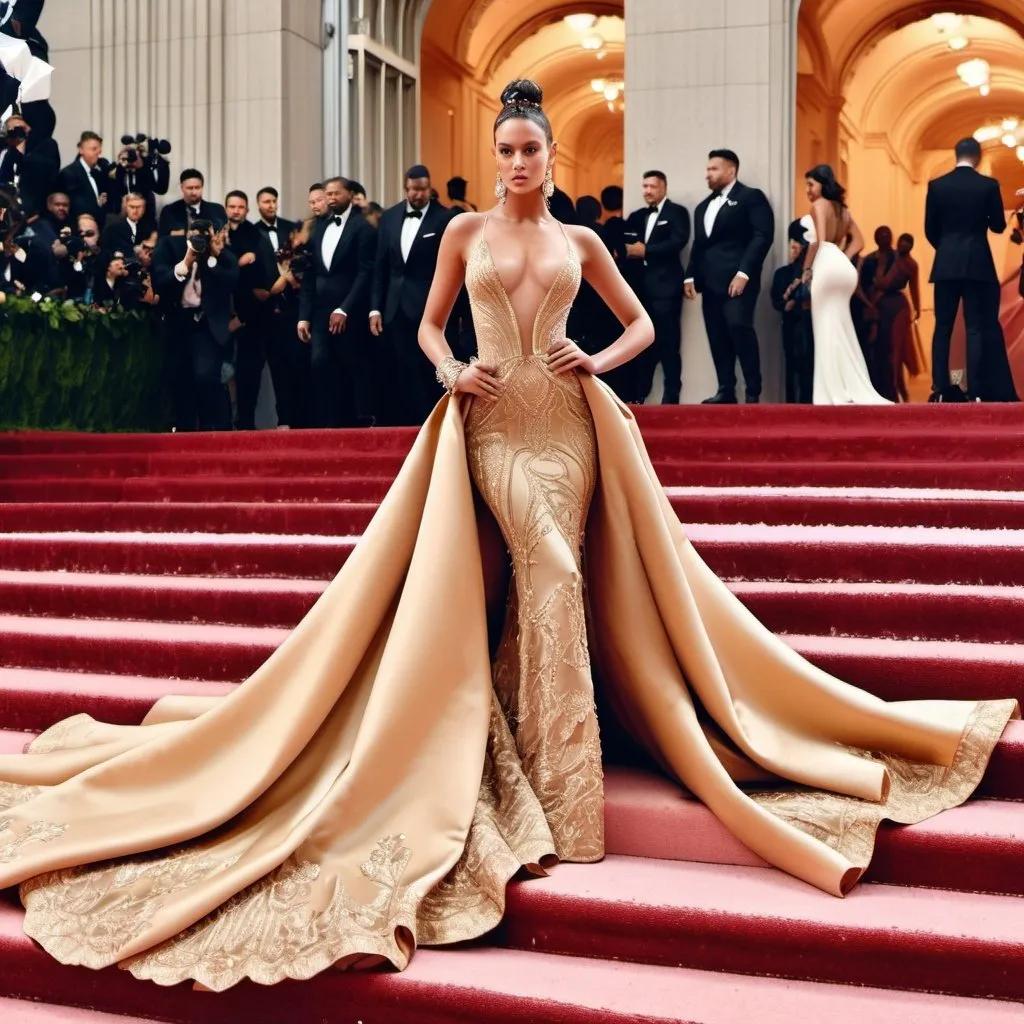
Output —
(717, 194)
(336, 221)
(652, 208)
(271, 227)
(414, 213)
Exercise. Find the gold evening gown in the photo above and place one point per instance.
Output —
(380, 779)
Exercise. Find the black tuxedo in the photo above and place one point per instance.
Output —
(284, 231)
(197, 341)
(149, 181)
(740, 239)
(74, 180)
(399, 294)
(176, 216)
(117, 237)
(658, 280)
(962, 207)
(340, 363)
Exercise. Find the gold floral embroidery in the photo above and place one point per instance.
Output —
(55, 738)
(916, 791)
(87, 915)
(273, 930)
(34, 832)
(12, 794)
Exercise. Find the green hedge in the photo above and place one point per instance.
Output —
(69, 367)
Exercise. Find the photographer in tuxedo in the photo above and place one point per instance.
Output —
(962, 207)
(176, 217)
(333, 306)
(86, 180)
(733, 233)
(407, 242)
(655, 237)
(195, 277)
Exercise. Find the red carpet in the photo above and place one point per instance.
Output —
(885, 545)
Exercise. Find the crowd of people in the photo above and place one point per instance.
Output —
(331, 302)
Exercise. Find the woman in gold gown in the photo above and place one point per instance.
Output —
(381, 777)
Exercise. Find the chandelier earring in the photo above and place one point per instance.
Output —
(548, 188)
(500, 189)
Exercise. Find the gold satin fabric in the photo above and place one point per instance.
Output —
(379, 779)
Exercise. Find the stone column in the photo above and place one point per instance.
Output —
(701, 75)
(236, 85)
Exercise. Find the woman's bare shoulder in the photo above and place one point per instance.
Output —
(584, 239)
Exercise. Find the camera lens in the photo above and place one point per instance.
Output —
(126, 140)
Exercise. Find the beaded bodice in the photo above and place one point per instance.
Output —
(494, 319)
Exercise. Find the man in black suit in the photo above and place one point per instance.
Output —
(195, 277)
(175, 217)
(275, 229)
(655, 237)
(86, 180)
(132, 229)
(31, 164)
(407, 242)
(733, 232)
(253, 313)
(333, 306)
(962, 207)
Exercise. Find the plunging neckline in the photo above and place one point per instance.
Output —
(509, 308)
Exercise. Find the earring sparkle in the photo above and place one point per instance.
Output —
(548, 188)
(500, 189)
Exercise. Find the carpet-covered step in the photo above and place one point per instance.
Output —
(761, 921)
(907, 611)
(20, 1011)
(796, 554)
(978, 846)
(970, 510)
(891, 669)
(487, 986)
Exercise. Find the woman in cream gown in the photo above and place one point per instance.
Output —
(377, 782)
(841, 374)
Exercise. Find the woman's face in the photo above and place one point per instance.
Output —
(813, 190)
(522, 154)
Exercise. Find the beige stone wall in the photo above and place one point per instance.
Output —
(707, 73)
(236, 85)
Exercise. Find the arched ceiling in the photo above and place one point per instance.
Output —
(850, 29)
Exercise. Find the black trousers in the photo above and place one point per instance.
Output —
(798, 345)
(981, 318)
(731, 334)
(200, 398)
(258, 345)
(341, 374)
(407, 384)
(666, 315)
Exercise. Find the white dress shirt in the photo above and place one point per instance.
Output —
(329, 243)
(711, 215)
(652, 220)
(192, 296)
(410, 229)
(92, 180)
(272, 235)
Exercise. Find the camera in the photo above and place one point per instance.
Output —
(19, 133)
(141, 146)
(299, 259)
(200, 242)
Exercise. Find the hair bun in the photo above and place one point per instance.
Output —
(522, 90)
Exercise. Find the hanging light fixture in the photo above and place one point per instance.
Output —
(580, 22)
(1010, 124)
(1020, 153)
(592, 41)
(946, 23)
(958, 43)
(975, 74)
(988, 133)
(597, 84)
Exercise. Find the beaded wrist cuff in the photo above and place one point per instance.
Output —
(448, 372)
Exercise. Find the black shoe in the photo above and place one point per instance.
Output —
(753, 399)
(670, 398)
(721, 398)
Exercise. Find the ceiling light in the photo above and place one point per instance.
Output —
(597, 84)
(580, 22)
(1020, 153)
(611, 94)
(974, 73)
(984, 89)
(592, 41)
(1010, 140)
(946, 22)
(959, 43)
(1010, 124)
(989, 133)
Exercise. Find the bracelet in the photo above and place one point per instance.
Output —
(448, 372)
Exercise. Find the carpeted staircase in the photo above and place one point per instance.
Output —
(886, 545)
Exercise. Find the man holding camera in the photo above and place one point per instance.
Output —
(195, 277)
(128, 232)
(176, 217)
(86, 180)
(142, 168)
(334, 305)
